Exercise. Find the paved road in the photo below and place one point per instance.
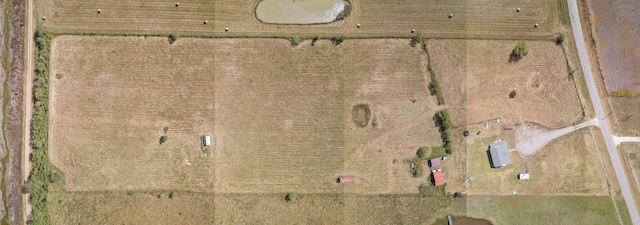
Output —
(28, 106)
(618, 166)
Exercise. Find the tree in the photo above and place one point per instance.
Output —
(512, 94)
(561, 38)
(418, 39)
(337, 40)
(295, 40)
(422, 152)
(174, 36)
(520, 50)
(164, 139)
(290, 197)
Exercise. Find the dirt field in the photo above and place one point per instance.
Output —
(279, 124)
(198, 208)
(627, 111)
(477, 77)
(617, 30)
(379, 18)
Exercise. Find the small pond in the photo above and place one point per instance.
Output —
(301, 11)
(461, 220)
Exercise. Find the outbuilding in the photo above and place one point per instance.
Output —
(346, 179)
(435, 162)
(206, 140)
(438, 177)
(499, 153)
(523, 176)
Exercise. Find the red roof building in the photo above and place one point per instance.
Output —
(346, 179)
(438, 178)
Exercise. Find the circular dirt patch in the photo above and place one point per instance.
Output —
(361, 115)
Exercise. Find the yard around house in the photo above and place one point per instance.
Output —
(379, 18)
(278, 124)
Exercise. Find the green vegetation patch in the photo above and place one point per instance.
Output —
(544, 209)
(41, 174)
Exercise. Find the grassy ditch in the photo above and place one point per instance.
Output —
(38, 182)
(625, 93)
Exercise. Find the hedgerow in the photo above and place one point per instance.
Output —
(38, 182)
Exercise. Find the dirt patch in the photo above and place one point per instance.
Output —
(361, 115)
(617, 28)
(477, 78)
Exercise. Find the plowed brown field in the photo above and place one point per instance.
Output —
(379, 18)
(280, 117)
(477, 78)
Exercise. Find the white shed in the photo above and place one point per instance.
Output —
(206, 140)
(523, 176)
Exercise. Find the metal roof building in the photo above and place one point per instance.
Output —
(438, 178)
(499, 154)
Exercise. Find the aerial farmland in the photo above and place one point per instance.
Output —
(344, 112)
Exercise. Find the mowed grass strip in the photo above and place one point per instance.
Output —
(477, 78)
(280, 116)
(378, 18)
(533, 210)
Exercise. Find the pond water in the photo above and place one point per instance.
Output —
(460, 220)
(301, 11)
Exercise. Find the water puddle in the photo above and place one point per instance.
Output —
(302, 11)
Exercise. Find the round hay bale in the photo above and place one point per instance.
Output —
(518, 10)
(358, 25)
(205, 22)
(450, 15)
(536, 25)
(413, 30)
(226, 29)
(44, 18)
(177, 4)
(98, 11)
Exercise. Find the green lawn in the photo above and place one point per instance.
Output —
(545, 210)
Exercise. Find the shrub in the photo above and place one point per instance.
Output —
(337, 40)
(625, 93)
(295, 41)
(291, 197)
(174, 36)
(40, 175)
(417, 39)
(315, 39)
(512, 94)
(422, 152)
(561, 38)
(521, 49)
(164, 139)
(445, 126)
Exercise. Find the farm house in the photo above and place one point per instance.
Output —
(499, 154)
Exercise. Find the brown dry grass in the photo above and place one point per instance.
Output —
(627, 113)
(379, 18)
(560, 168)
(477, 77)
(280, 124)
(208, 208)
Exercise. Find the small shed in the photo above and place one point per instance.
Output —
(499, 153)
(438, 178)
(523, 176)
(346, 179)
(435, 162)
(206, 140)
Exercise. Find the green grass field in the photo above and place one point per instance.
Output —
(543, 210)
